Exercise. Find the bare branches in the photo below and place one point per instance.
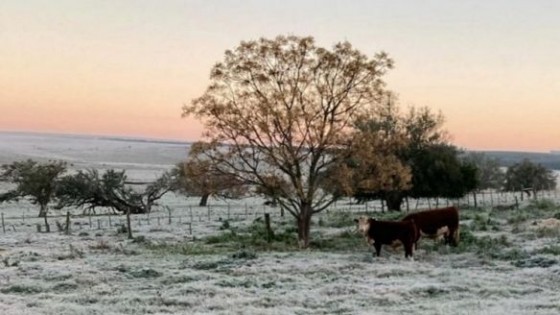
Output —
(281, 107)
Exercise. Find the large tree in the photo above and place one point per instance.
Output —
(489, 174)
(89, 189)
(528, 176)
(198, 176)
(421, 145)
(35, 181)
(281, 108)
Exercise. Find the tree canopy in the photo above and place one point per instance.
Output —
(199, 176)
(528, 176)
(35, 181)
(281, 108)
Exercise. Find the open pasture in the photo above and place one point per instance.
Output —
(186, 259)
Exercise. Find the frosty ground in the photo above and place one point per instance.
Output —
(217, 261)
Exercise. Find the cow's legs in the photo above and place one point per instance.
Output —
(408, 249)
(377, 247)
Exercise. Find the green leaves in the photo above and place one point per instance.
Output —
(33, 180)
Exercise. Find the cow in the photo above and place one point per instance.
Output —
(379, 233)
(437, 223)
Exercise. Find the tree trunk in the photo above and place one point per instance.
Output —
(394, 201)
(204, 200)
(304, 226)
(43, 213)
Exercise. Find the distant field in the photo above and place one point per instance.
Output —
(186, 259)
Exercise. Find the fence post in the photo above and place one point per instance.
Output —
(128, 224)
(89, 218)
(110, 225)
(67, 229)
(268, 228)
(208, 213)
(98, 224)
(3, 226)
(169, 213)
(190, 210)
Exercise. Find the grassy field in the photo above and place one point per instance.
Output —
(191, 260)
(507, 263)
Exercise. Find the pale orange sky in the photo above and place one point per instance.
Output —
(126, 67)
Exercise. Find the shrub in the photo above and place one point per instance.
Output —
(542, 204)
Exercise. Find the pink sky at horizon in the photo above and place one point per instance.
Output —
(125, 68)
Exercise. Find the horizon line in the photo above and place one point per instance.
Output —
(114, 137)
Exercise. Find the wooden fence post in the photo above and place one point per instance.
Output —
(169, 215)
(67, 229)
(128, 225)
(190, 210)
(3, 226)
(269, 233)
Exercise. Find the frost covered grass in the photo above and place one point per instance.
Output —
(221, 260)
(233, 269)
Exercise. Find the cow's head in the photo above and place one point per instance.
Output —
(363, 224)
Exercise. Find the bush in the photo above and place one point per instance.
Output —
(486, 246)
(542, 204)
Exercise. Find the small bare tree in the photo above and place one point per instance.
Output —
(284, 107)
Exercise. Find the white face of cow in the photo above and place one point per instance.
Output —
(363, 224)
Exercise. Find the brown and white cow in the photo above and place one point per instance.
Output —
(379, 233)
(437, 223)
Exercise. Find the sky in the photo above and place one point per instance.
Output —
(126, 67)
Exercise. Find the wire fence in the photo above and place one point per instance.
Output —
(189, 215)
